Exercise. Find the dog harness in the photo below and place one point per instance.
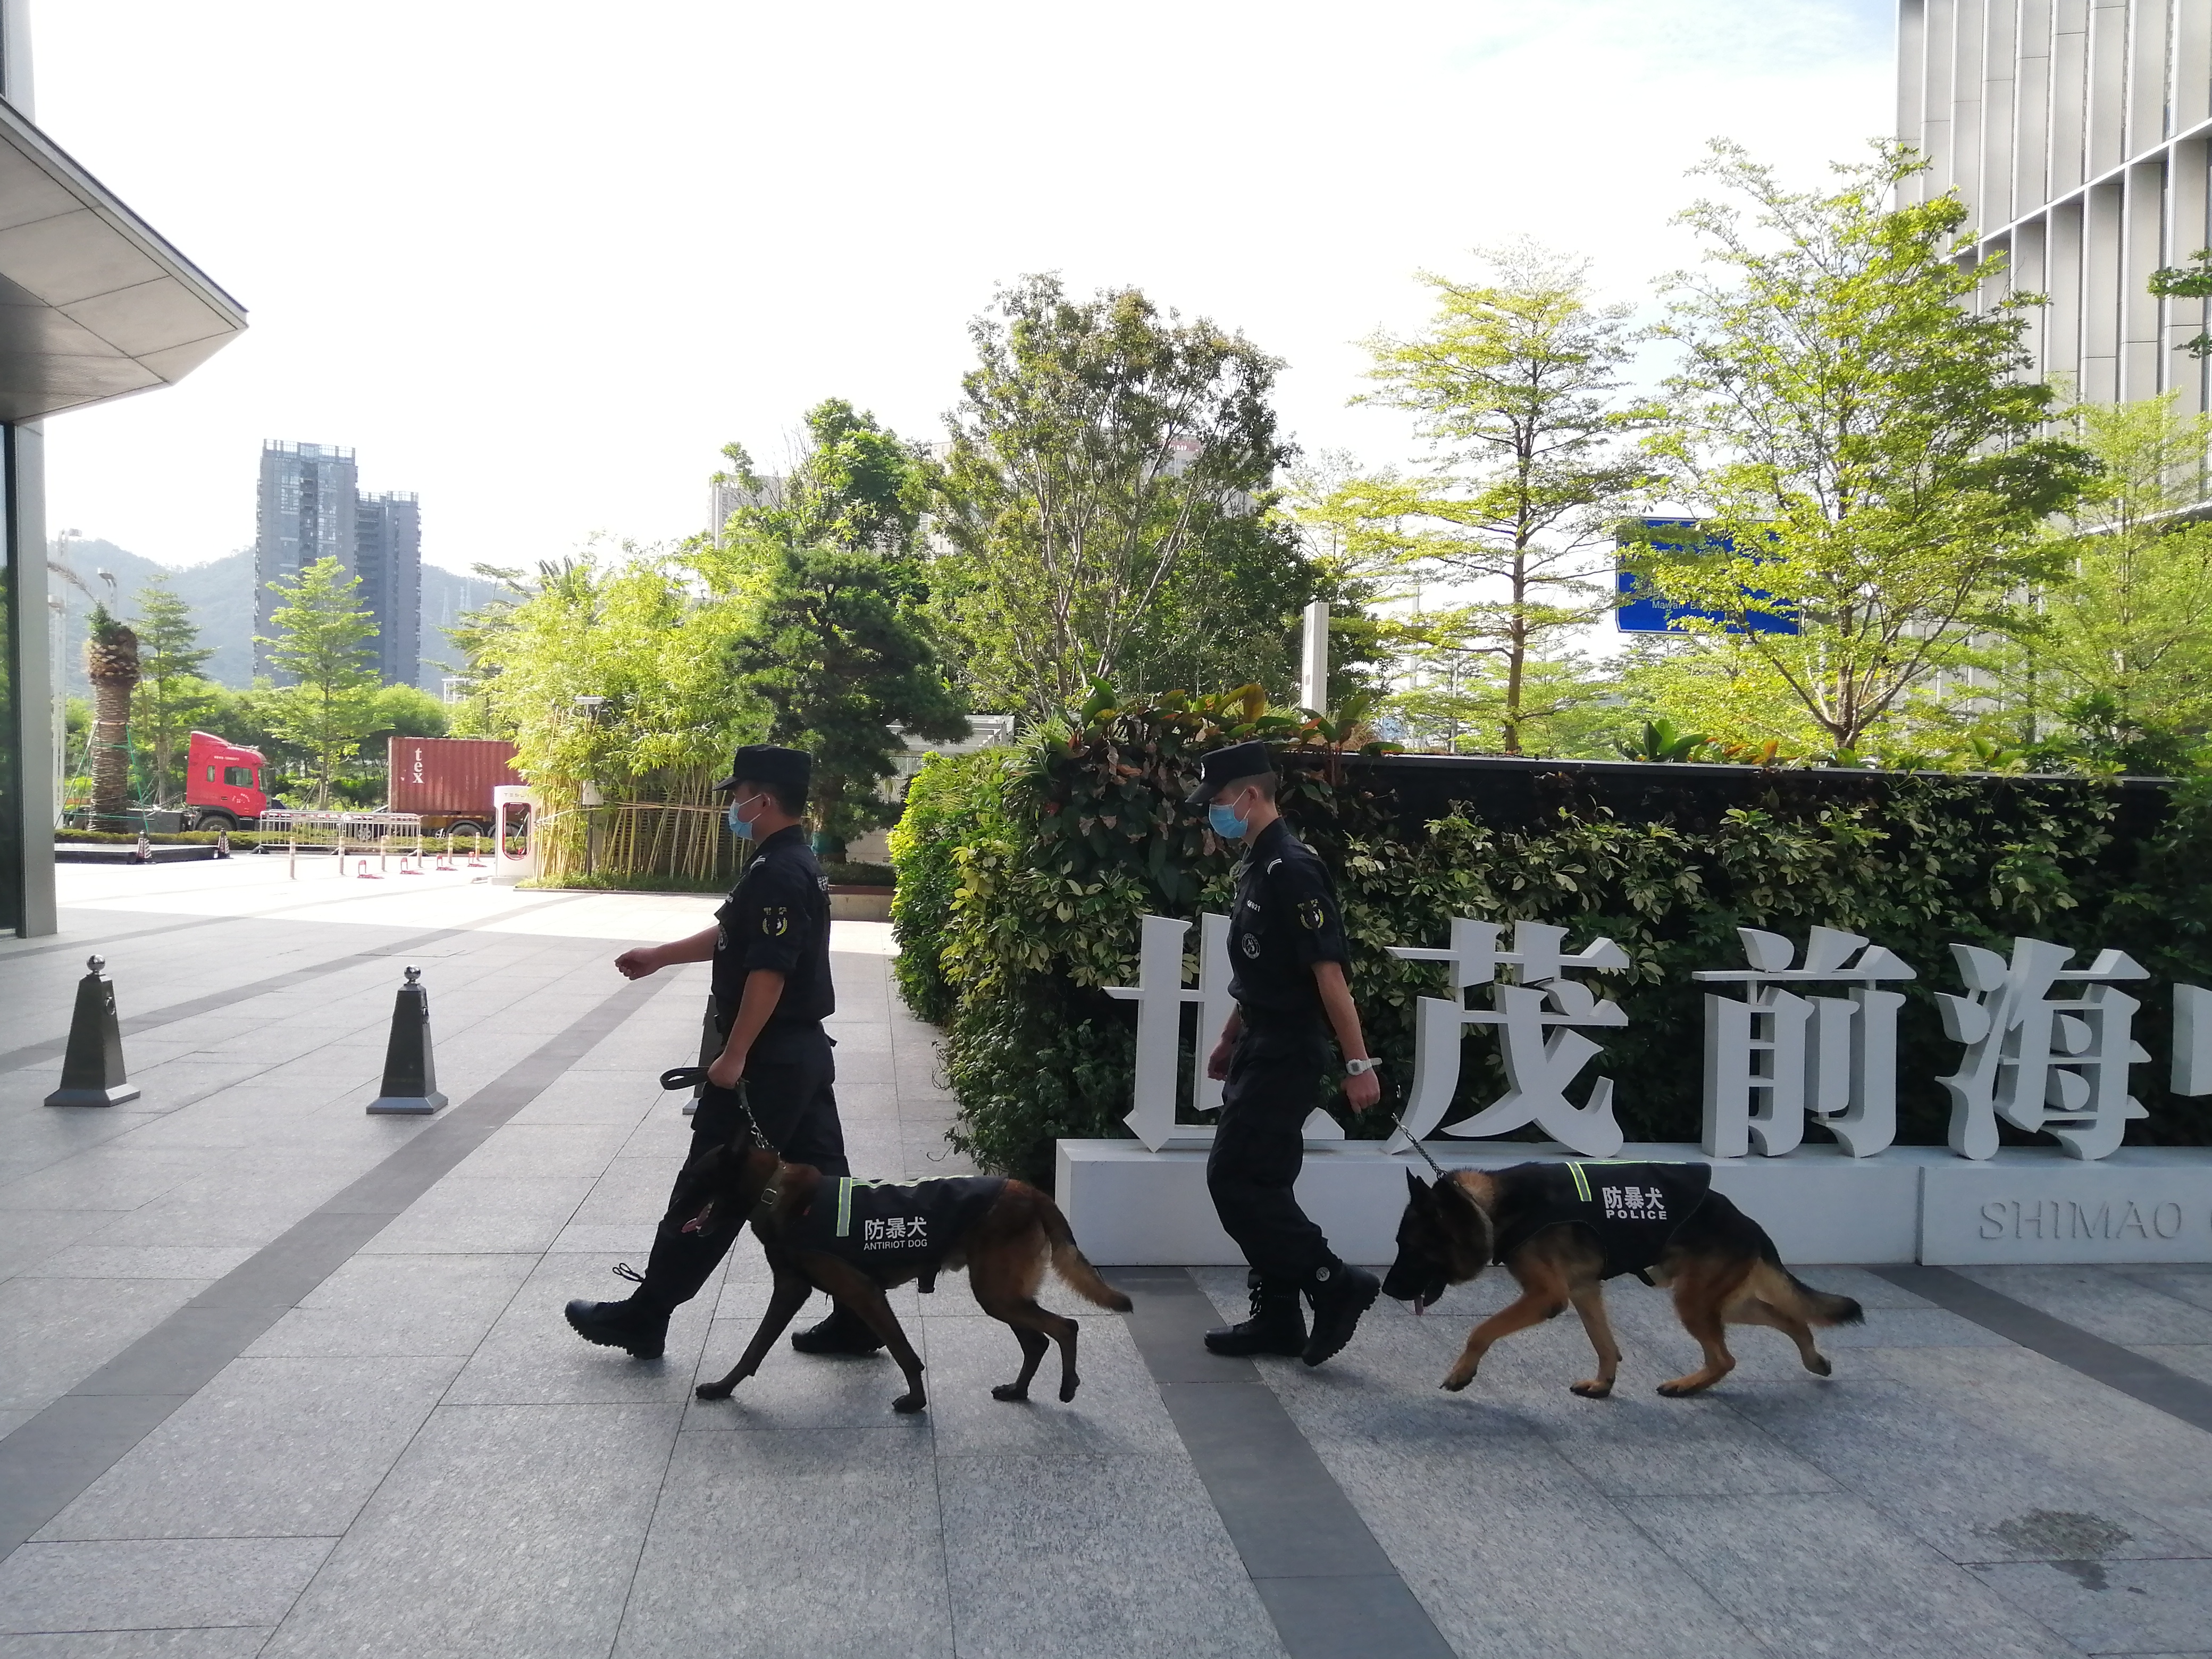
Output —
(880, 1227)
(1633, 1209)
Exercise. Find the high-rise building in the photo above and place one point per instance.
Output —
(388, 557)
(309, 509)
(98, 305)
(2076, 132)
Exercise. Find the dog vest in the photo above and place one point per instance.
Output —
(880, 1227)
(1634, 1209)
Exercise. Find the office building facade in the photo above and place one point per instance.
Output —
(2076, 132)
(97, 305)
(388, 558)
(308, 508)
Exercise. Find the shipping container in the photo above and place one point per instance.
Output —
(449, 780)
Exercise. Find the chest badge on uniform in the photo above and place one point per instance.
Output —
(776, 919)
(1311, 914)
(1252, 945)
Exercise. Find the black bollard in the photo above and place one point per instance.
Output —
(92, 1069)
(411, 1076)
(145, 853)
(710, 1045)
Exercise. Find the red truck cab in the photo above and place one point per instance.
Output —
(223, 783)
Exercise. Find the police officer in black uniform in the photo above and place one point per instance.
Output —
(770, 948)
(1286, 957)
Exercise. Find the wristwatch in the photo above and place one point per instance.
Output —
(1359, 1067)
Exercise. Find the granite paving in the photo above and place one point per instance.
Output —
(407, 1453)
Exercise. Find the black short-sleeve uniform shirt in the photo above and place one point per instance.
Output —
(777, 918)
(1284, 920)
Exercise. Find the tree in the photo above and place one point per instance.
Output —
(839, 664)
(836, 643)
(111, 662)
(1108, 469)
(321, 644)
(2122, 650)
(1868, 462)
(172, 695)
(1515, 388)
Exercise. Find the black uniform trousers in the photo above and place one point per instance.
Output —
(1273, 1086)
(789, 1076)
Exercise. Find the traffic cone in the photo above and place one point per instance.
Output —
(411, 1076)
(92, 1069)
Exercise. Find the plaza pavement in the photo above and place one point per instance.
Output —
(277, 1377)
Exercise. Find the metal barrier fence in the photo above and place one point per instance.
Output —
(335, 830)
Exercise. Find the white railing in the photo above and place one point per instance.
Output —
(312, 829)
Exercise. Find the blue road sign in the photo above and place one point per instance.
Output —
(1641, 611)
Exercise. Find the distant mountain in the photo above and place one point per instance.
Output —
(221, 594)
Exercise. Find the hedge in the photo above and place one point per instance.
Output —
(1023, 874)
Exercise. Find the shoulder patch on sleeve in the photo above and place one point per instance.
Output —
(1313, 915)
(776, 919)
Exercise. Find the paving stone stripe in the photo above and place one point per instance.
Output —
(48, 1462)
(1325, 1582)
(83, 942)
(2135, 1375)
(16, 1059)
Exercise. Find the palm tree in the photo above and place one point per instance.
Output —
(111, 662)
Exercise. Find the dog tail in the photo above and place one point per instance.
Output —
(1780, 1288)
(1074, 1267)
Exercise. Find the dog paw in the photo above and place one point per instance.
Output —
(1067, 1389)
(1009, 1391)
(1455, 1383)
(1819, 1365)
(1592, 1389)
(907, 1404)
(713, 1391)
(1681, 1388)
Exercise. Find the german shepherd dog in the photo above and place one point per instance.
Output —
(1719, 1263)
(1005, 1250)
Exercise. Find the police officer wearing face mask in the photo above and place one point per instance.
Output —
(770, 950)
(1286, 957)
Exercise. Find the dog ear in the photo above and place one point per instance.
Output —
(1415, 1189)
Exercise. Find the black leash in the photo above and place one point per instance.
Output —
(690, 1077)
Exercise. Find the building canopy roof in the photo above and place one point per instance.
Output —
(94, 304)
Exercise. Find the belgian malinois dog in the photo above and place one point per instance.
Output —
(1561, 1230)
(1003, 1231)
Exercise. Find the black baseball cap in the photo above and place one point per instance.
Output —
(1223, 767)
(791, 770)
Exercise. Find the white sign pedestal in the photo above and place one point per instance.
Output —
(1130, 1207)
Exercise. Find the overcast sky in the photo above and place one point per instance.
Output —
(539, 261)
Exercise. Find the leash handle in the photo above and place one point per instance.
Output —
(690, 1077)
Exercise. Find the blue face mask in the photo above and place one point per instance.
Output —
(741, 828)
(1226, 823)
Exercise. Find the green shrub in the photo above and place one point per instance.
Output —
(944, 803)
(1060, 850)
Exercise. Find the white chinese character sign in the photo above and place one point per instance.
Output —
(2047, 1047)
(2193, 1040)
(2043, 1062)
(1160, 997)
(1538, 1066)
(1773, 1057)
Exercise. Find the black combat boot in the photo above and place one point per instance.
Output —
(1278, 1324)
(639, 1324)
(1340, 1294)
(843, 1332)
